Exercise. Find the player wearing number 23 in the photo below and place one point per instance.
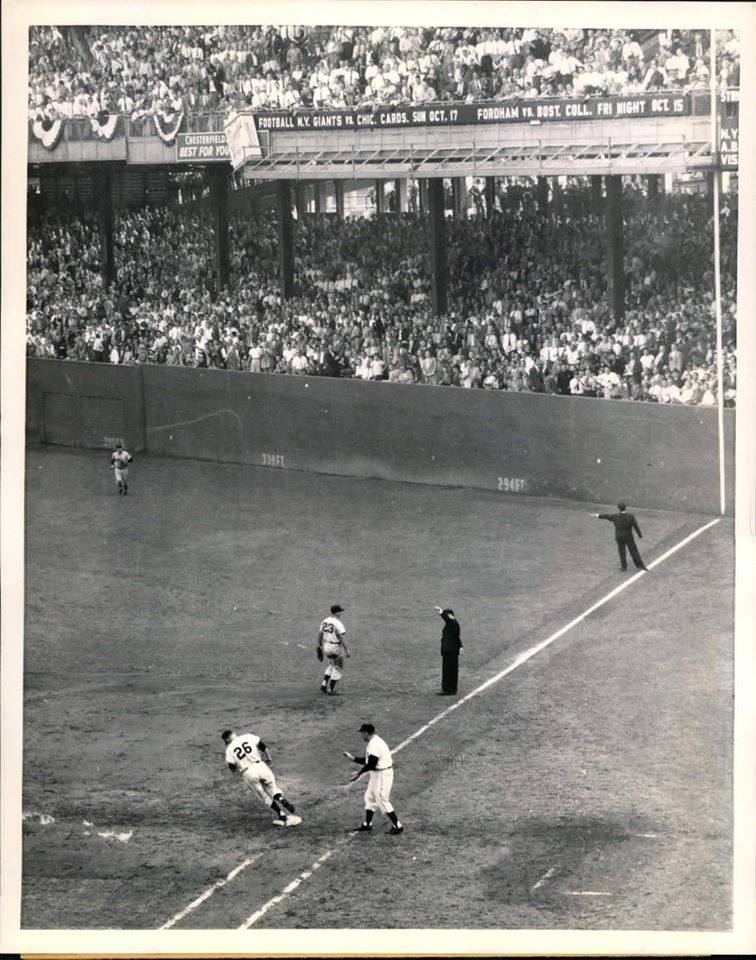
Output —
(247, 754)
(332, 648)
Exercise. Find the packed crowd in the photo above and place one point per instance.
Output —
(528, 307)
(164, 71)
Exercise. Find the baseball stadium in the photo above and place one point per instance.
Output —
(385, 318)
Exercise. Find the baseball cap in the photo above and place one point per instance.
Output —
(336, 608)
(367, 728)
(621, 506)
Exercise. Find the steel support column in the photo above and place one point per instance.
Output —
(653, 184)
(219, 174)
(338, 189)
(437, 244)
(285, 238)
(300, 199)
(104, 199)
(459, 193)
(380, 197)
(490, 195)
(401, 186)
(542, 194)
(597, 194)
(615, 246)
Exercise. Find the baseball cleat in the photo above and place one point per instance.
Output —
(396, 830)
(364, 828)
(292, 821)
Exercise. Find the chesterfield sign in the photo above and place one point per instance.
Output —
(502, 111)
(194, 147)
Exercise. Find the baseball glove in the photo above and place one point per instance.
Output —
(319, 652)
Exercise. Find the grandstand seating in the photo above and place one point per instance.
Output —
(167, 71)
(528, 300)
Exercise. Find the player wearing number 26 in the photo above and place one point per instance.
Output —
(247, 754)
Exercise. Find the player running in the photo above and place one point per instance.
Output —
(120, 463)
(332, 647)
(247, 754)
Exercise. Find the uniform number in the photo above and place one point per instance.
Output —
(328, 628)
(511, 484)
(244, 749)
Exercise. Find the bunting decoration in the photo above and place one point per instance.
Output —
(104, 125)
(167, 126)
(48, 132)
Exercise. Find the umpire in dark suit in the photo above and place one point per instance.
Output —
(451, 645)
(624, 524)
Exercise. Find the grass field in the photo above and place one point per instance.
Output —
(590, 788)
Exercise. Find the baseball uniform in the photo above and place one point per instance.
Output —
(332, 648)
(245, 753)
(379, 764)
(381, 778)
(120, 461)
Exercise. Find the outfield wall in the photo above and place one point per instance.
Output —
(579, 448)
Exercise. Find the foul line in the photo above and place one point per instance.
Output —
(291, 887)
(528, 654)
(209, 892)
(522, 658)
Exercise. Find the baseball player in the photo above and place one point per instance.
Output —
(378, 762)
(332, 647)
(247, 754)
(120, 463)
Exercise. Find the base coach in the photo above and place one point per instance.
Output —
(451, 646)
(624, 524)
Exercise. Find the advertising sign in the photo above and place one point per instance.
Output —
(662, 104)
(201, 147)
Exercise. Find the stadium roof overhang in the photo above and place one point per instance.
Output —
(574, 159)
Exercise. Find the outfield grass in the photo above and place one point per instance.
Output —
(602, 765)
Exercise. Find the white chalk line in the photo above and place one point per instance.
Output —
(532, 651)
(544, 878)
(209, 892)
(586, 893)
(205, 416)
(522, 658)
(291, 887)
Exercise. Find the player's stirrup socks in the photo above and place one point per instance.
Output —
(285, 803)
(368, 818)
(333, 685)
(393, 818)
(277, 810)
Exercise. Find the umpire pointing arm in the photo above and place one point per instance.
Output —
(451, 645)
(624, 524)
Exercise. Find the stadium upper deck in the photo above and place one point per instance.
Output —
(166, 71)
